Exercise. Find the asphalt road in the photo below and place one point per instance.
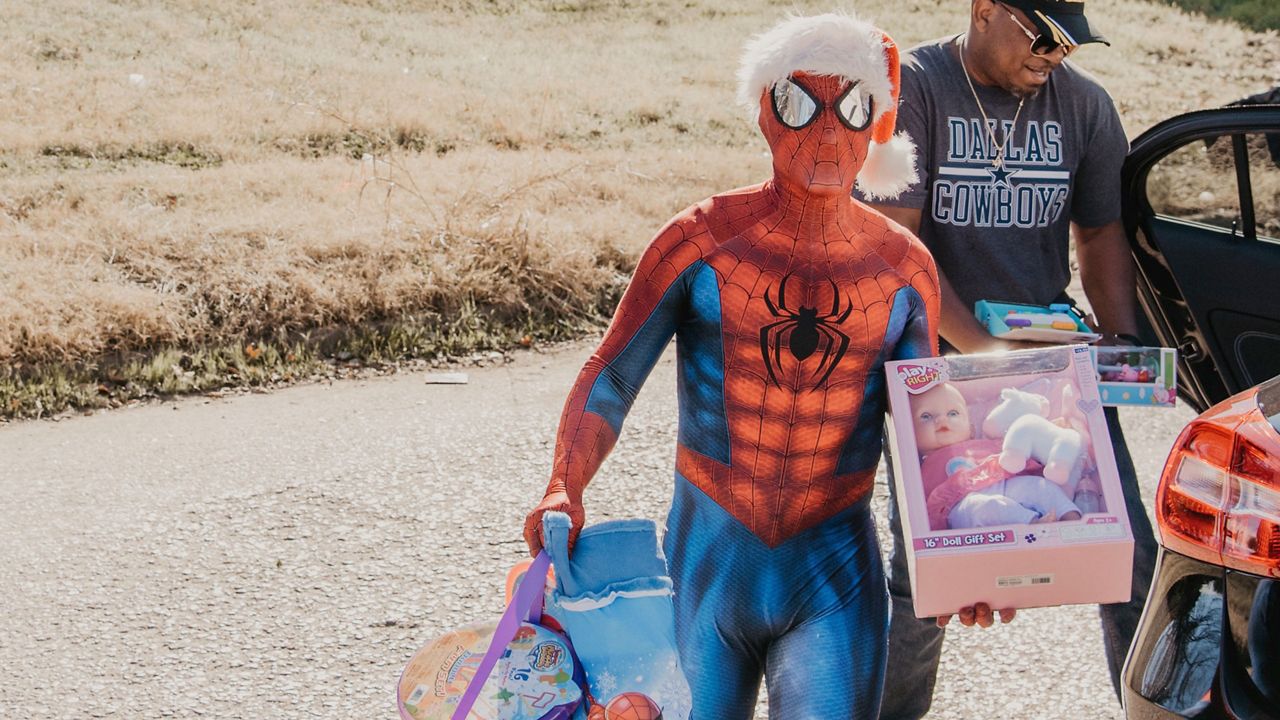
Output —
(282, 555)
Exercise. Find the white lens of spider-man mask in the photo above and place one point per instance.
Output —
(854, 108)
(793, 105)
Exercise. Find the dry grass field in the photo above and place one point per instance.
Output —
(194, 194)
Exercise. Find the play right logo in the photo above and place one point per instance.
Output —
(918, 378)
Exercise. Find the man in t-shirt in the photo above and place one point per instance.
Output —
(1017, 149)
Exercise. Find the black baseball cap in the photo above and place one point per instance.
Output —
(1061, 21)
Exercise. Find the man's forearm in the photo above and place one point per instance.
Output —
(1108, 276)
(959, 327)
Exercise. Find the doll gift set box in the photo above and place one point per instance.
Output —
(1006, 481)
(1058, 323)
(1137, 375)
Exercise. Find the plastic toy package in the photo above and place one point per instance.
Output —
(1006, 481)
(534, 679)
(1037, 323)
(1137, 375)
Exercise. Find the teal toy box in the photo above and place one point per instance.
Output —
(1137, 375)
(1060, 324)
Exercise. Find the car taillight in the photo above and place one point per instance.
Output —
(1219, 498)
(1251, 532)
(1190, 498)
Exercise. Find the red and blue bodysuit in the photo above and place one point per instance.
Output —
(785, 298)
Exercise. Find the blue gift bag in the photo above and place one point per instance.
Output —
(613, 597)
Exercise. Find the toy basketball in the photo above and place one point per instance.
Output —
(632, 706)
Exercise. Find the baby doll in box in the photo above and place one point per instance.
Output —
(1025, 468)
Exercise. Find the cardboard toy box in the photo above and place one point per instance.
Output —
(1020, 507)
(1036, 323)
(1137, 375)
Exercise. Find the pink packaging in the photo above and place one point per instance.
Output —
(1006, 481)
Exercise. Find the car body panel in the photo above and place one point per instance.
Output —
(1208, 645)
(1251, 651)
(1173, 663)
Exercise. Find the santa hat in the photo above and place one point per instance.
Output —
(844, 46)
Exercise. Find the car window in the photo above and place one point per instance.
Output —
(1197, 183)
(1264, 176)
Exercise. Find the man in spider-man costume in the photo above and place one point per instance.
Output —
(786, 298)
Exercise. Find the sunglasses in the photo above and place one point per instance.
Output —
(1040, 45)
(796, 107)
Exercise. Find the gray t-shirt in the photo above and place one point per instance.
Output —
(1003, 236)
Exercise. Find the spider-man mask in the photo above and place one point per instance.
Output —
(819, 129)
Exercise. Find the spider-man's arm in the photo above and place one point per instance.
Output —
(642, 326)
(920, 335)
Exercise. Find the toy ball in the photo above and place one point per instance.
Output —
(632, 706)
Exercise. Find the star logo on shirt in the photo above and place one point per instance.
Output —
(1000, 174)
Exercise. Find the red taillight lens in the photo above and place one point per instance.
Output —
(1219, 498)
(1189, 502)
(1251, 537)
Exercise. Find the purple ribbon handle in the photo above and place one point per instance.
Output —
(526, 604)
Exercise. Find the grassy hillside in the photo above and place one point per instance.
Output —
(1256, 14)
(195, 194)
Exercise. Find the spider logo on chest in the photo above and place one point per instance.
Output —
(803, 331)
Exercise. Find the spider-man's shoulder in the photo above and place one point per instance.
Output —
(709, 223)
(680, 243)
(914, 262)
(686, 231)
(915, 254)
(733, 213)
(897, 244)
(919, 270)
(903, 251)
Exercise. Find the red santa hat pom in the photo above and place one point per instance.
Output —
(844, 46)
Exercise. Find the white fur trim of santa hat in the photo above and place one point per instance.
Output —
(830, 44)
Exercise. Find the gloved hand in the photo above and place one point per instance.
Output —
(559, 500)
